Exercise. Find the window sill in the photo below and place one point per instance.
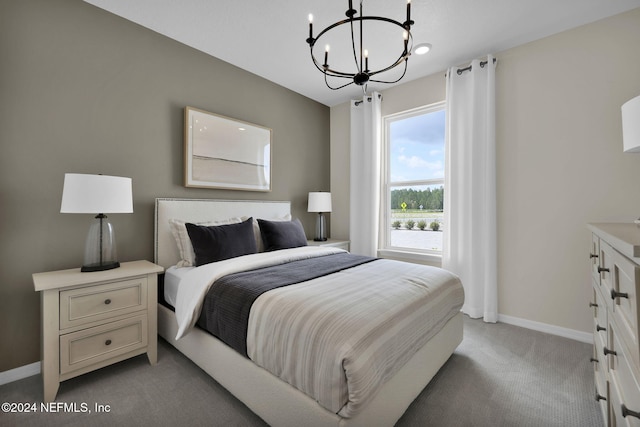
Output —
(408, 256)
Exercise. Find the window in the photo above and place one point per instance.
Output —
(414, 146)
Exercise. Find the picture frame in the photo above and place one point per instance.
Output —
(221, 152)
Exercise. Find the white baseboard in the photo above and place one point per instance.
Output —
(585, 337)
(19, 373)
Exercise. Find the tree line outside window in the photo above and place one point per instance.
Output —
(412, 199)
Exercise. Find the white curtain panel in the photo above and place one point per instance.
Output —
(366, 134)
(470, 236)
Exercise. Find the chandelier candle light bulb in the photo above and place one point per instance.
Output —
(366, 61)
(326, 56)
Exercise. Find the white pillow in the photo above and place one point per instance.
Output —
(179, 231)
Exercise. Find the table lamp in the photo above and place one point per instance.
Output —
(97, 194)
(320, 202)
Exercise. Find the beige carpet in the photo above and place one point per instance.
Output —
(501, 375)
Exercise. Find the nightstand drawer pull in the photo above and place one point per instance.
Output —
(107, 301)
(607, 351)
(107, 342)
(592, 304)
(602, 269)
(593, 255)
(615, 294)
(594, 360)
(626, 411)
(600, 328)
(599, 397)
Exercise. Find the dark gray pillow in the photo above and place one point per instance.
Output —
(282, 234)
(219, 242)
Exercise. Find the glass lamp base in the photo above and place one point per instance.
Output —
(100, 247)
(321, 233)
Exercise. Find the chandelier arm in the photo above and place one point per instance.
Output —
(313, 41)
(353, 41)
(332, 73)
(394, 81)
(390, 67)
(404, 57)
(335, 88)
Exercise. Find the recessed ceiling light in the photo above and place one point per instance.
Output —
(422, 48)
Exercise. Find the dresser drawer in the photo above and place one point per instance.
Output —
(607, 256)
(93, 345)
(624, 299)
(623, 382)
(599, 317)
(603, 398)
(594, 255)
(599, 359)
(82, 306)
(618, 400)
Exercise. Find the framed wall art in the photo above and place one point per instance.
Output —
(221, 152)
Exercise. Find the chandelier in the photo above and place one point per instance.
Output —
(361, 75)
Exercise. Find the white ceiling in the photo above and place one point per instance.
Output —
(267, 38)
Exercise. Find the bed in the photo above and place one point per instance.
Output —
(274, 400)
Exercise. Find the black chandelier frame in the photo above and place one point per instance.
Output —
(363, 74)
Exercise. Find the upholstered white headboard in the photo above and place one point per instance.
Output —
(198, 210)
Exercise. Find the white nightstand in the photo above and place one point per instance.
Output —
(342, 244)
(91, 320)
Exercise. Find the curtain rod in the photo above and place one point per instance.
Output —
(357, 103)
(482, 64)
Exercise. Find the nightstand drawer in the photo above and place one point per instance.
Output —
(91, 304)
(94, 345)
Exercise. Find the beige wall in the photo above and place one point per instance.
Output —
(84, 91)
(561, 165)
(560, 160)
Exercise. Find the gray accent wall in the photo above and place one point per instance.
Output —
(82, 90)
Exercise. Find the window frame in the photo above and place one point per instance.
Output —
(386, 249)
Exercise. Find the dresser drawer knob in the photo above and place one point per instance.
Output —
(594, 360)
(603, 270)
(626, 411)
(600, 328)
(615, 294)
(599, 397)
(607, 351)
(593, 304)
(593, 255)
(107, 301)
(107, 342)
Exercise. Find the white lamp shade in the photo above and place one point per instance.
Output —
(631, 125)
(319, 202)
(95, 194)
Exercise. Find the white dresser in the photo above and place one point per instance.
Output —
(615, 271)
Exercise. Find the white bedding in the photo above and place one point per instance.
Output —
(395, 308)
(197, 282)
(172, 277)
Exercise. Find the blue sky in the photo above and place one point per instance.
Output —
(417, 147)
